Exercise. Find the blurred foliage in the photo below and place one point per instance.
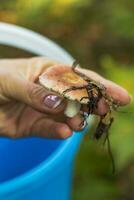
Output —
(93, 166)
(123, 126)
(99, 34)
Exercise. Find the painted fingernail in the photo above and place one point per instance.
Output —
(83, 125)
(52, 101)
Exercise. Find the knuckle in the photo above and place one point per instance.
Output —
(36, 92)
(8, 128)
(38, 65)
(33, 90)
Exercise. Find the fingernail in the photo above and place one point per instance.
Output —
(83, 125)
(52, 101)
(86, 115)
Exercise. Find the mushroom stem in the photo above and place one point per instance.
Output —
(73, 107)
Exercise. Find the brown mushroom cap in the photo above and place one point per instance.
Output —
(58, 78)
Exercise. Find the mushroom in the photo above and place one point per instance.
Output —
(79, 90)
(63, 80)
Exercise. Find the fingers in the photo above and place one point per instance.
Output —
(76, 123)
(18, 83)
(32, 94)
(43, 100)
(102, 107)
(36, 66)
(118, 93)
(48, 128)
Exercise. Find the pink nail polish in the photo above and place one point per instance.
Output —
(52, 101)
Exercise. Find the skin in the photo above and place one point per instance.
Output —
(23, 112)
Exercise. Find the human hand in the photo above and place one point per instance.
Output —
(28, 109)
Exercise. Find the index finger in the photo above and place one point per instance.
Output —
(118, 93)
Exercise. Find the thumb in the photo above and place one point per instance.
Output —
(32, 94)
(43, 99)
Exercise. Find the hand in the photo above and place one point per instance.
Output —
(28, 109)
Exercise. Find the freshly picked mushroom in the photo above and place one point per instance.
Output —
(64, 81)
(80, 90)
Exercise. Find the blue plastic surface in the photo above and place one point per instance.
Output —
(37, 168)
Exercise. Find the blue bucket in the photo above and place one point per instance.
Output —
(35, 168)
